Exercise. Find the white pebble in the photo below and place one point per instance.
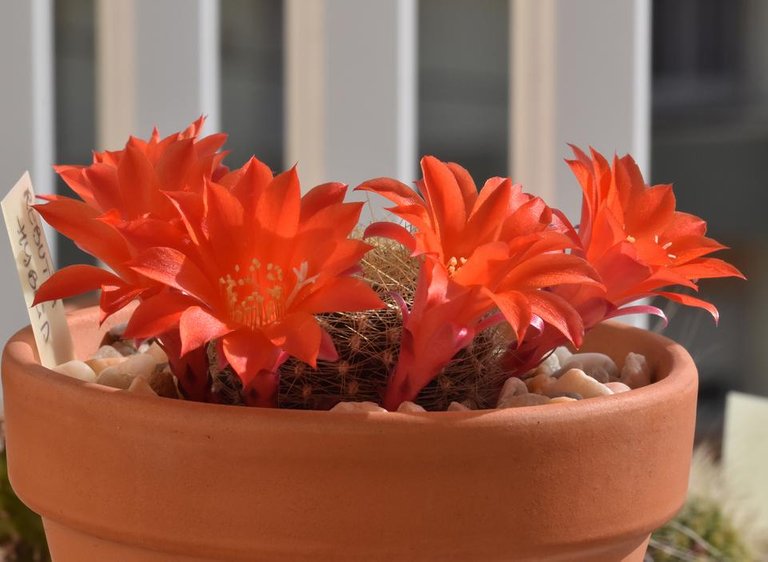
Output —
(105, 352)
(77, 370)
(121, 375)
(597, 365)
(559, 399)
(141, 386)
(636, 372)
(617, 387)
(523, 400)
(98, 365)
(457, 407)
(576, 380)
(141, 364)
(541, 384)
(158, 353)
(410, 407)
(357, 407)
(110, 377)
(549, 366)
(513, 386)
(562, 353)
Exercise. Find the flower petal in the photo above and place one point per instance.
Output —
(74, 280)
(394, 190)
(444, 199)
(392, 231)
(322, 196)
(299, 335)
(341, 294)
(157, 315)
(558, 313)
(688, 300)
(174, 269)
(77, 221)
(249, 353)
(198, 327)
(516, 310)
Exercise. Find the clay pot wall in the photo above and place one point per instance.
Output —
(129, 478)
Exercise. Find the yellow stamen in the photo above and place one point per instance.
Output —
(454, 264)
(259, 298)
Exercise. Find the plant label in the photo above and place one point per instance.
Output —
(745, 455)
(33, 261)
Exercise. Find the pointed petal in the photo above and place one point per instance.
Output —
(707, 268)
(116, 297)
(327, 350)
(651, 212)
(488, 214)
(250, 184)
(299, 335)
(76, 221)
(322, 196)
(198, 327)
(249, 353)
(688, 300)
(548, 270)
(392, 231)
(74, 280)
(466, 185)
(444, 199)
(397, 192)
(341, 294)
(174, 269)
(558, 313)
(279, 207)
(516, 310)
(157, 315)
(137, 181)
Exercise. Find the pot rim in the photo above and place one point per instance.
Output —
(20, 349)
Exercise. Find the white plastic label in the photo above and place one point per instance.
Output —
(30, 250)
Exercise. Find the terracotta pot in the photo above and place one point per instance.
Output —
(125, 478)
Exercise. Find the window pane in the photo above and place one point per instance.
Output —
(710, 136)
(463, 83)
(74, 66)
(252, 80)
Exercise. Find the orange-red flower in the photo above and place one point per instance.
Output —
(261, 262)
(633, 236)
(443, 319)
(487, 257)
(500, 240)
(124, 209)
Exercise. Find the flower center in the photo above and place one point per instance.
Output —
(454, 264)
(631, 239)
(261, 295)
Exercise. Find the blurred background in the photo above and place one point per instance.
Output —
(351, 89)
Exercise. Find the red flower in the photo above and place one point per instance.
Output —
(444, 319)
(500, 240)
(261, 262)
(124, 209)
(633, 236)
(482, 253)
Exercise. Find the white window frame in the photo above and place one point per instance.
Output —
(26, 114)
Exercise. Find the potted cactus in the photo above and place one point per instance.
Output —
(460, 425)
